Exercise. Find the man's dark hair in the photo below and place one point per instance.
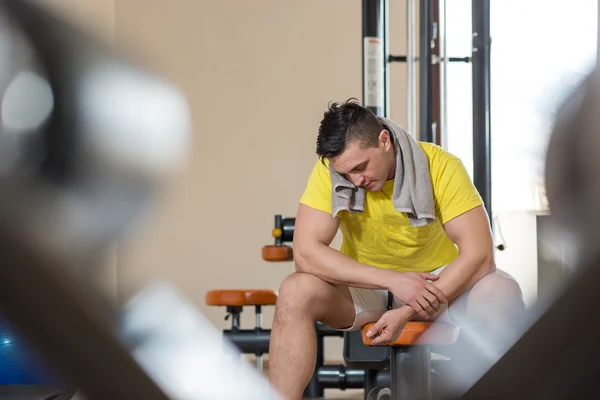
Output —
(346, 123)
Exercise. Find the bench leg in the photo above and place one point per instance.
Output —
(410, 373)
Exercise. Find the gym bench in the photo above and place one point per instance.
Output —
(410, 360)
(256, 341)
(253, 341)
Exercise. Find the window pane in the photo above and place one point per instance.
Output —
(459, 123)
(540, 49)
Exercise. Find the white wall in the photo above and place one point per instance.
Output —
(520, 257)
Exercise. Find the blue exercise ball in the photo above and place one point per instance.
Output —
(19, 364)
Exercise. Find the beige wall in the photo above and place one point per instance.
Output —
(258, 76)
(96, 16)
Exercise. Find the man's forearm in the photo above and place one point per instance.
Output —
(337, 268)
(462, 273)
(458, 276)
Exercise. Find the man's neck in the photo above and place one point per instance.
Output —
(392, 171)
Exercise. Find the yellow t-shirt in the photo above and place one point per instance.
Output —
(383, 237)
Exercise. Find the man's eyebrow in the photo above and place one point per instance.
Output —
(358, 166)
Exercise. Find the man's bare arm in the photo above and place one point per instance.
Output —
(313, 233)
(472, 234)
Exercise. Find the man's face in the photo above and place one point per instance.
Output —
(367, 167)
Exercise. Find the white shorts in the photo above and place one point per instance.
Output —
(371, 304)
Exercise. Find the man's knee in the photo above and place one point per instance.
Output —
(497, 289)
(498, 284)
(297, 293)
(305, 295)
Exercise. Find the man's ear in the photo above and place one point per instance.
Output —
(385, 141)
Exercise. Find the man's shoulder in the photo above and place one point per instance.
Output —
(321, 171)
(436, 155)
(317, 193)
(433, 150)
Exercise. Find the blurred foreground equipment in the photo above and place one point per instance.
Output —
(556, 358)
(86, 140)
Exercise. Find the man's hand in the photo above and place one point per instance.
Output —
(416, 290)
(387, 329)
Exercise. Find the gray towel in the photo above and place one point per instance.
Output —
(412, 193)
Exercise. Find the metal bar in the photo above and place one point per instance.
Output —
(250, 341)
(434, 59)
(410, 372)
(375, 56)
(397, 58)
(396, 372)
(341, 377)
(59, 316)
(258, 315)
(235, 322)
(425, 77)
(444, 74)
(370, 381)
(459, 59)
(482, 174)
(435, 68)
(411, 93)
(314, 389)
(386, 52)
(278, 225)
(287, 229)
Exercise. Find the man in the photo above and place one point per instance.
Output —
(424, 263)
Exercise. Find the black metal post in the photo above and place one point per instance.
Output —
(314, 389)
(425, 77)
(482, 171)
(410, 369)
(598, 33)
(287, 228)
(278, 223)
(375, 56)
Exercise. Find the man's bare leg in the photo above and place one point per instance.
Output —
(496, 301)
(490, 315)
(303, 299)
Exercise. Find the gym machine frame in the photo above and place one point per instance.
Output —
(431, 62)
(249, 341)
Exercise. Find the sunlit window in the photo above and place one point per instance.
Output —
(540, 49)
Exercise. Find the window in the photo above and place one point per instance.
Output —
(539, 50)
